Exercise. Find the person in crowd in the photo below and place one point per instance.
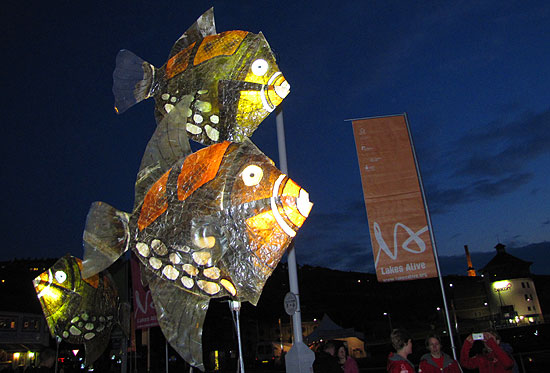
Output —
(508, 349)
(402, 343)
(485, 355)
(437, 361)
(326, 360)
(346, 362)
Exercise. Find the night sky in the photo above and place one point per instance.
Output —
(473, 78)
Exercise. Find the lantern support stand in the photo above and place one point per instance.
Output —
(236, 307)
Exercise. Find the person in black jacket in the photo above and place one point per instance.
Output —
(326, 360)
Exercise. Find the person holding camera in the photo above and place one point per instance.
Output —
(437, 361)
(482, 351)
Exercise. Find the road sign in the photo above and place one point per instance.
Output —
(291, 303)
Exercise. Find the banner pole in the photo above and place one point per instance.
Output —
(432, 237)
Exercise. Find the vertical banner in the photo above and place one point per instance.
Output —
(145, 315)
(396, 214)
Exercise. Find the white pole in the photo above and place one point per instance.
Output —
(236, 306)
(300, 358)
(432, 237)
(292, 268)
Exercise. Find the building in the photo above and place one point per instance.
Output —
(23, 329)
(511, 293)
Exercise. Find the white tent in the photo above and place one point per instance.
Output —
(328, 329)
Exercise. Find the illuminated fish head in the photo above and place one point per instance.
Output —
(272, 206)
(255, 88)
(261, 68)
(57, 291)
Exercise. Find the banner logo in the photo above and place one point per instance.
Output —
(413, 236)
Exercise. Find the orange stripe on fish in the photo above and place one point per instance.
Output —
(199, 168)
(223, 44)
(155, 202)
(178, 63)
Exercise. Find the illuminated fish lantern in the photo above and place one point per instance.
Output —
(230, 80)
(213, 224)
(80, 311)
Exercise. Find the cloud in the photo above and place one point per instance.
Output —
(442, 200)
(492, 161)
(338, 239)
(501, 148)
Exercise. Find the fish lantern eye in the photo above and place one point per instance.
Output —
(260, 67)
(60, 276)
(252, 175)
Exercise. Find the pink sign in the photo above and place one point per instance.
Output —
(144, 309)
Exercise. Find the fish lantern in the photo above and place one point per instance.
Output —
(230, 82)
(80, 311)
(215, 223)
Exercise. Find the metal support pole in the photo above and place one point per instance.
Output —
(292, 267)
(432, 237)
(166, 353)
(236, 306)
(300, 358)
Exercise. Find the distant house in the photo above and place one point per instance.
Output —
(512, 297)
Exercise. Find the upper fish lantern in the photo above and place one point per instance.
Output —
(80, 311)
(212, 223)
(230, 81)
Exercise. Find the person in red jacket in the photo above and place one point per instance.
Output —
(436, 361)
(398, 362)
(492, 358)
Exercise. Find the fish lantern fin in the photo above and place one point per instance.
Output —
(168, 144)
(181, 316)
(133, 80)
(105, 238)
(203, 26)
(95, 347)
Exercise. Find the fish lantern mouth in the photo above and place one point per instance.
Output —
(273, 93)
(290, 205)
(42, 283)
(45, 291)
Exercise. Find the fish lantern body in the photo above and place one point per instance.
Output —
(230, 82)
(79, 311)
(214, 225)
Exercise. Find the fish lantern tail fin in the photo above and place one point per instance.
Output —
(132, 80)
(105, 238)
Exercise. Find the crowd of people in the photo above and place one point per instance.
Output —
(482, 351)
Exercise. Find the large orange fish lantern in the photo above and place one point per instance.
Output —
(214, 223)
(230, 82)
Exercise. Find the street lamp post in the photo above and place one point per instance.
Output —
(389, 320)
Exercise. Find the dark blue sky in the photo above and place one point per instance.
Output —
(472, 76)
